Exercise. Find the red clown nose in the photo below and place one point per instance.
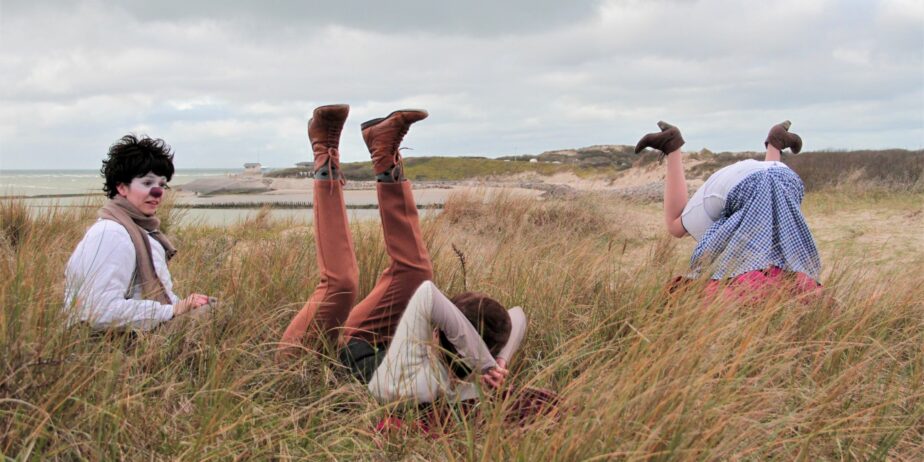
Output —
(156, 192)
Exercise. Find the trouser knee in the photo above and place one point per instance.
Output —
(346, 284)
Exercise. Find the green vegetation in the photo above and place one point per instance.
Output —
(819, 170)
(464, 168)
(438, 169)
(644, 375)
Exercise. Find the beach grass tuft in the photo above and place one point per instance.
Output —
(643, 374)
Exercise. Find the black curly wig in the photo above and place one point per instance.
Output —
(132, 157)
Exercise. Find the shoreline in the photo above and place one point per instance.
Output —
(277, 205)
(255, 191)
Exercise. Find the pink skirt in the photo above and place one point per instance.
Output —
(755, 286)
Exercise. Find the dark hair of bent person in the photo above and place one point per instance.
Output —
(132, 157)
(490, 319)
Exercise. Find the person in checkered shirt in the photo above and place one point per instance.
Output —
(746, 217)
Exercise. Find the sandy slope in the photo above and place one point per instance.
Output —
(642, 182)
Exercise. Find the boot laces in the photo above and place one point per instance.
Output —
(333, 136)
(333, 155)
(395, 147)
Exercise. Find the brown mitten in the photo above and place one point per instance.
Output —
(667, 140)
(780, 138)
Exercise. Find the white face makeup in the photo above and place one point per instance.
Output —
(144, 192)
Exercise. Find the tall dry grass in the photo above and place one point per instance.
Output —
(887, 170)
(890, 169)
(644, 375)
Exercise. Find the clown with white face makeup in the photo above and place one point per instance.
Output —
(145, 192)
(117, 276)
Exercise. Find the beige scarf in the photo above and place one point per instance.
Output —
(139, 226)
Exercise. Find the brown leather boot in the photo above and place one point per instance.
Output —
(781, 138)
(324, 132)
(667, 140)
(383, 137)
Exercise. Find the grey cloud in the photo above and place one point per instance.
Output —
(474, 17)
(226, 86)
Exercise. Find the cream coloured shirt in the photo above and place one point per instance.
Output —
(98, 281)
(413, 367)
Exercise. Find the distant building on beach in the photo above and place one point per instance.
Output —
(306, 165)
(253, 168)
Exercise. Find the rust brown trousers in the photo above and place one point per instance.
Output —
(375, 318)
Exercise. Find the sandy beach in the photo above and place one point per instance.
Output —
(221, 198)
(243, 191)
(287, 191)
(644, 182)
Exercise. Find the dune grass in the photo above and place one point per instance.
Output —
(644, 375)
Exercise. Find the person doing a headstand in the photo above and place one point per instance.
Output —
(746, 218)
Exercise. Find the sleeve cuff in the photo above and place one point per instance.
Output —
(168, 312)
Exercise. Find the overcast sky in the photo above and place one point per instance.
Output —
(228, 82)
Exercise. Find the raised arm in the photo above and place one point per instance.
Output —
(669, 141)
(517, 332)
(461, 333)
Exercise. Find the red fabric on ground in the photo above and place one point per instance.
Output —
(756, 286)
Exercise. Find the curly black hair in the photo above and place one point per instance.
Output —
(132, 157)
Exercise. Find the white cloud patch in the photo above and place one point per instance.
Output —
(855, 56)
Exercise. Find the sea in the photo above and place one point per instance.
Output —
(44, 189)
(32, 183)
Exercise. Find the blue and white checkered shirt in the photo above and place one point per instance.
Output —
(761, 226)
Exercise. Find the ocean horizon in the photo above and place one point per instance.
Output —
(44, 182)
(44, 189)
